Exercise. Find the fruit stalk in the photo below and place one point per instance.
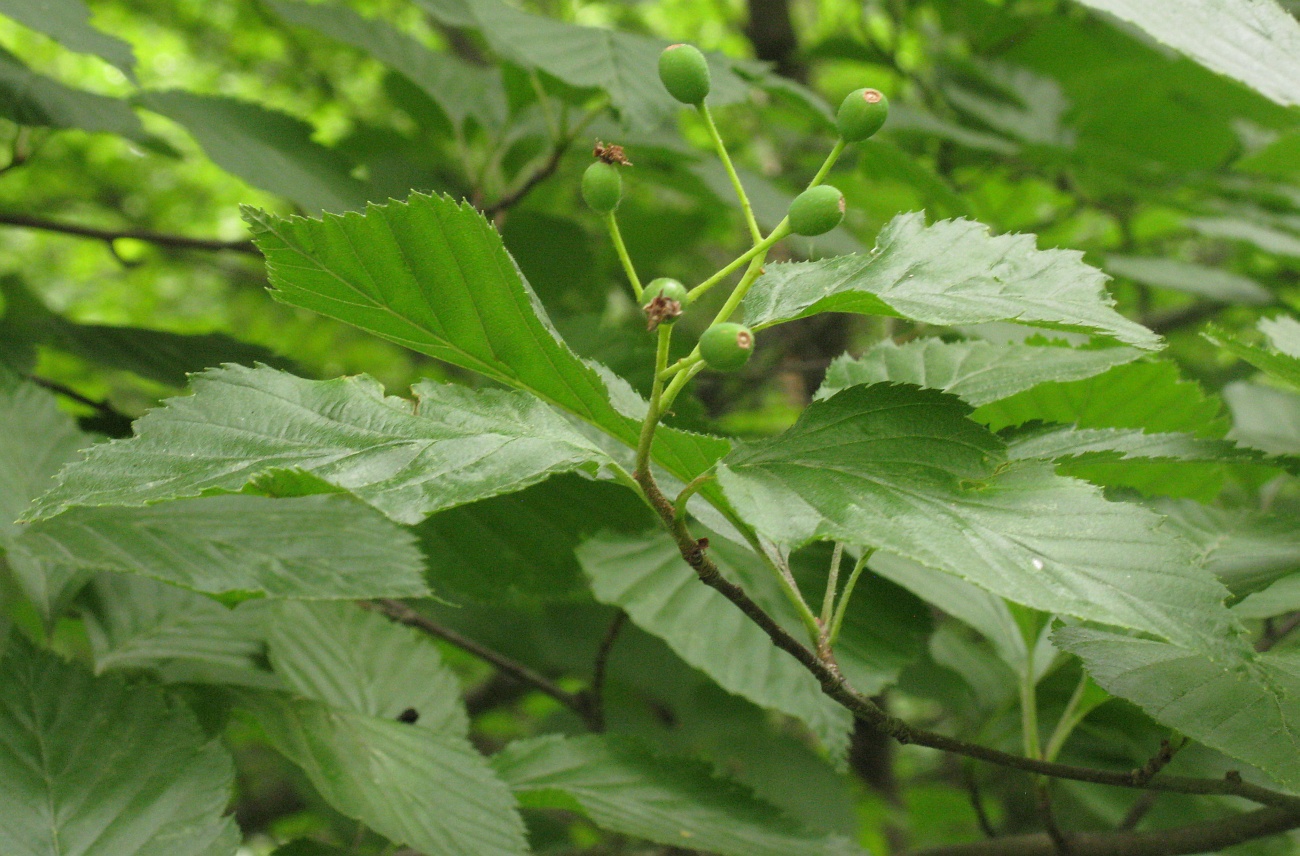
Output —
(619, 247)
(745, 206)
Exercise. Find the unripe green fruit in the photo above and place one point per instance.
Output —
(816, 211)
(666, 287)
(862, 113)
(685, 73)
(602, 187)
(727, 346)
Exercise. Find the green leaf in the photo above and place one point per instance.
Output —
(1061, 442)
(647, 578)
(1178, 465)
(1254, 41)
(1246, 550)
(176, 635)
(452, 446)
(1264, 417)
(429, 790)
(155, 354)
(950, 273)
(905, 470)
(624, 787)
(1283, 334)
(623, 65)
(878, 160)
(1251, 230)
(1211, 283)
(68, 23)
(1276, 361)
(39, 440)
(28, 98)
(985, 612)
(97, 766)
(524, 542)
(339, 548)
(1015, 101)
(1280, 598)
(460, 89)
(1248, 712)
(977, 372)
(270, 150)
(432, 275)
(358, 660)
(1146, 396)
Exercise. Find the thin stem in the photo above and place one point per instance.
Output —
(545, 171)
(68, 392)
(656, 393)
(824, 170)
(692, 486)
(1138, 810)
(698, 291)
(843, 606)
(617, 237)
(752, 274)
(1066, 724)
(404, 614)
(681, 365)
(548, 114)
(1204, 837)
(832, 583)
(745, 206)
(596, 694)
(1029, 709)
(834, 685)
(679, 381)
(163, 240)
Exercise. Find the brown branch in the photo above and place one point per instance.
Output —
(108, 235)
(1158, 761)
(68, 392)
(834, 685)
(1138, 810)
(404, 614)
(595, 694)
(1205, 837)
(972, 786)
(543, 172)
(1061, 844)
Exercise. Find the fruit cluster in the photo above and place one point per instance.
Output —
(684, 72)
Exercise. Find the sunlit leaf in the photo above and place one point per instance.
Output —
(408, 459)
(905, 470)
(953, 272)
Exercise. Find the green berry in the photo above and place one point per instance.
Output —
(727, 346)
(666, 287)
(685, 73)
(862, 113)
(602, 187)
(816, 211)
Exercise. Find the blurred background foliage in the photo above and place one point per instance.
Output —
(1027, 115)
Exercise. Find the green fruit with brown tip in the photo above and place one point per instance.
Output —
(666, 287)
(685, 73)
(727, 346)
(861, 114)
(816, 211)
(602, 187)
